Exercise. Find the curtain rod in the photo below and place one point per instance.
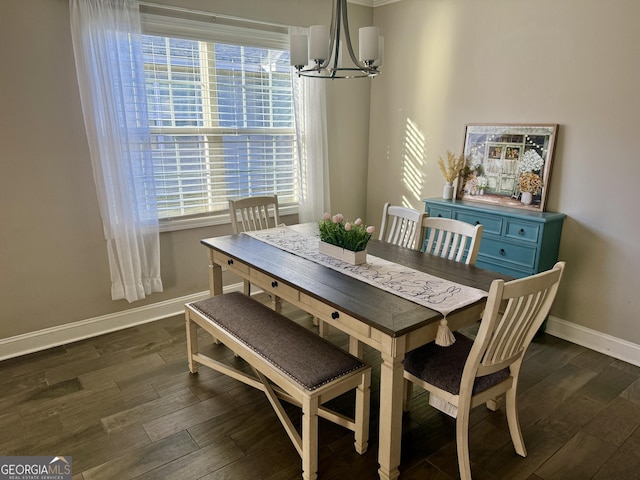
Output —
(216, 16)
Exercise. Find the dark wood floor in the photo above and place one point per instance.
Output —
(124, 405)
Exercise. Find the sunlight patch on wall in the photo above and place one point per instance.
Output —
(413, 164)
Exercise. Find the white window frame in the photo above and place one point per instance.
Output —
(227, 30)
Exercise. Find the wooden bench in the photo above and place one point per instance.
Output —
(289, 363)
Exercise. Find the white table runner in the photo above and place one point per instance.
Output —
(427, 290)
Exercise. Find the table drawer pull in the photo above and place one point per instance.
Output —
(335, 315)
(521, 231)
(502, 252)
(274, 284)
(229, 262)
(478, 222)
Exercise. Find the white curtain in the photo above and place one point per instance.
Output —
(107, 45)
(309, 95)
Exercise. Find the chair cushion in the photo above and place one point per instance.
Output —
(308, 359)
(443, 366)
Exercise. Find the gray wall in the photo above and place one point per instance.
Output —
(571, 62)
(53, 257)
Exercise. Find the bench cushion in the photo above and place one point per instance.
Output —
(308, 359)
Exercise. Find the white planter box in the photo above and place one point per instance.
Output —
(354, 258)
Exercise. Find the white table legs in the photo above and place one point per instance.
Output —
(391, 392)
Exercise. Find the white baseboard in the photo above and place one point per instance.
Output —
(600, 342)
(72, 332)
(92, 327)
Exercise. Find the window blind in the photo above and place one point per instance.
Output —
(221, 115)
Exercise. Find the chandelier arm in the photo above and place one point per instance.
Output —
(335, 27)
(336, 37)
(347, 36)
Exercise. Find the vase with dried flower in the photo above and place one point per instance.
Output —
(450, 172)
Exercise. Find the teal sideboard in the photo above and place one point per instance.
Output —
(516, 242)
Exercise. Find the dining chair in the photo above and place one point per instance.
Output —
(471, 372)
(401, 226)
(249, 214)
(452, 239)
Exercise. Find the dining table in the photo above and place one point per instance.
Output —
(381, 319)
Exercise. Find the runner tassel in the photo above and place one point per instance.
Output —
(444, 337)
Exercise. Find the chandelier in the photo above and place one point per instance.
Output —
(324, 49)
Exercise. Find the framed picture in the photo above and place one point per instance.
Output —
(508, 164)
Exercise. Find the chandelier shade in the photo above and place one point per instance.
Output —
(319, 54)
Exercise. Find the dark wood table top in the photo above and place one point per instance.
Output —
(382, 310)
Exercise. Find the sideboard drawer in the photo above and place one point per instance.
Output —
(523, 231)
(509, 253)
(490, 224)
(440, 212)
(510, 269)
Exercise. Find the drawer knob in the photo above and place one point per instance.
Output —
(274, 284)
(229, 262)
(521, 231)
(502, 252)
(477, 222)
(440, 215)
(335, 315)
